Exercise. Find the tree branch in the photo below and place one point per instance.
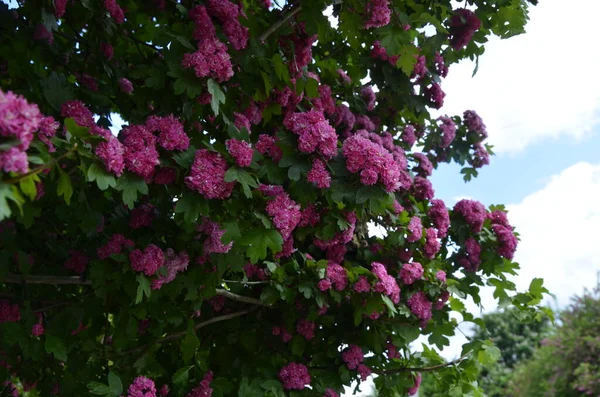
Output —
(246, 282)
(240, 298)
(279, 23)
(51, 280)
(422, 369)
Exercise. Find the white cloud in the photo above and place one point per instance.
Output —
(560, 232)
(537, 85)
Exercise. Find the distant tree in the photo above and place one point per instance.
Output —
(568, 363)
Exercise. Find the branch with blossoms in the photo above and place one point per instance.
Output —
(42, 167)
(423, 369)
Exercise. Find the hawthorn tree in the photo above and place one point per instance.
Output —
(218, 244)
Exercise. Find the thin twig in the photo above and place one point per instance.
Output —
(263, 37)
(422, 369)
(59, 304)
(246, 282)
(51, 280)
(239, 298)
(37, 170)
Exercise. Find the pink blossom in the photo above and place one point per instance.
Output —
(441, 276)
(203, 389)
(77, 261)
(344, 118)
(392, 351)
(107, 50)
(267, 145)
(43, 34)
(473, 212)
(325, 102)
(499, 217)
(14, 160)
(420, 306)
(115, 12)
(432, 245)
(362, 285)
(60, 7)
(444, 296)
(171, 133)
(141, 155)
(8, 312)
(363, 371)
(294, 376)
(330, 393)
(174, 263)
(164, 390)
(408, 135)
(422, 189)
(147, 261)
(211, 59)
(18, 119)
(254, 272)
(37, 330)
(228, 13)
(364, 122)
(415, 388)
(440, 65)
(78, 112)
(435, 95)
(378, 12)
(507, 242)
(306, 329)
(373, 162)
(114, 246)
(469, 258)
(411, 272)
(48, 128)
(448, 129)
(386, 284)
(314, 132)
(142, 387)
(336, 276)
(207, 175)
(241, 151)
(141, 216)
(420, 68)
(254, 112)
(415, 229)
(213, 243)
(474, 123)
(285, 213)
(438, 214)
(309, 216)
(397, 208)
(165, 176)
(425, 167)
(463, 25)
(344, 77)
(302, 50)
(204, 27)
(112, 153)
(125, 86)
(319, 175)
(270, 190)
(481, 156)
(353, 356)
(368, 96)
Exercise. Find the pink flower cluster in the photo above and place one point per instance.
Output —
(310, 216)
(325, 102)
(469, 258)
(213, 243)
(425, 167)
(435, 95)
(302, 56)
(203, 389)
(443, 298)
(386, 284)
(281, 331)
(8, 312)
(330, 393)
(60, 7)
(319, 174)
(37, 330)
(378, 12)
(353, 356)
(294, 376)
(115, 11)
(286, 215)
(362, 285)
(379, 52)
(415, 229)
(474, 123)
(165, 176)
(438, 214)
(448, 129)
(142, 387)
(314, 132)
(267, 145)
(346, 80)
(77, 261)
(373, 162)
(507, 242)
(420, 306)
(335, 276)
(171, 135)
(415, 387)
(368, 96)
(211, 59)
(408, 135)
(306, 329)
(174, 263)
(411, 272)
(114, 246)
(420, 69)
(440, 65)
(228, 15)
(336, 246)
(19, 120)
(473, 212)
(141, 216)
(78, 112)
(432, 245)
(481, 156)
(141, 155)
(463, 25)
(147, 261)
(207, 175)
(241, 151)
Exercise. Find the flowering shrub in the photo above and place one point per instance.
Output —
(216, 244)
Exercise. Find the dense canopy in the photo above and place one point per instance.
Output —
(217, 243)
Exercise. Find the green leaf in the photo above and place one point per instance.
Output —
(192, 205)
(407, 60)
(56, 90)
(76, 130)
(64, 187)
(182, 376)
(536, 288)
(258, 240)
(143, 288)
(27, 186)
(99, 389)
(98, 173)
(298, 345)
(189, 344)
(281, 70)
(130, 185)
(55, 346)
(218, 96)
(390, 305)
(488, 355)
(115, 384)
(232, 232)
